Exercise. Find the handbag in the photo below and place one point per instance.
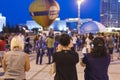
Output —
(53, 68)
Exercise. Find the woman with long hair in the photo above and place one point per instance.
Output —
(97, 61)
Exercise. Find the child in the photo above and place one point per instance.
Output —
(84, 50)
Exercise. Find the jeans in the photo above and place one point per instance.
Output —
(50, 54)
(40, 54)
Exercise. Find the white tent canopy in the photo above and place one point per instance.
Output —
(93, 27)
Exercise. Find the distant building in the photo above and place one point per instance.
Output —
(32, 24)
(72, 23)
(109, 13)
(59, 25)
(2, 21)
(119, 13)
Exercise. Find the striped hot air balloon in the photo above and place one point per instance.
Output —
(44, 12)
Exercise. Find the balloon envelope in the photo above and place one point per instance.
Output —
(44, 12)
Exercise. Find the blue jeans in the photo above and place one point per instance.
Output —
(39, 55)
(50, 54)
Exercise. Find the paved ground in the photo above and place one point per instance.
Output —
(42, 72)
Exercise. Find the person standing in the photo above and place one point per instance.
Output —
(50, 47)
(96, 62)
(110, 45)
(89, 40)
(74, 37)
(15, 62)
(119, 47)
(57, 35)
(39, 49)
(28, 45)
(65, 59)
(2, 47)
(51, 32)
(34, 42)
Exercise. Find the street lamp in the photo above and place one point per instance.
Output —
(79, 22)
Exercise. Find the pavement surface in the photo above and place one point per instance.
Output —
(42, 72)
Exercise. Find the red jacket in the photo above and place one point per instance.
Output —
(2, 45)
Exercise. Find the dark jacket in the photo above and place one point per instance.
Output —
(96, 68)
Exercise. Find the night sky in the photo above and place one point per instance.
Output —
(17, 11)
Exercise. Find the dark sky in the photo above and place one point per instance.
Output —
(17, 11)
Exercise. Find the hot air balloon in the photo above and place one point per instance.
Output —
(44, 12)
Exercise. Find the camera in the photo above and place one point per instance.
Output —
(92, 45)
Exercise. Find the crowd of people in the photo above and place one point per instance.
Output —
(63, 50)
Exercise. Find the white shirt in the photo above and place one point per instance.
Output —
(88, 41)
(74, 40)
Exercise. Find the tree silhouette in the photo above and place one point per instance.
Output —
(6, 29)
(17, 30)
